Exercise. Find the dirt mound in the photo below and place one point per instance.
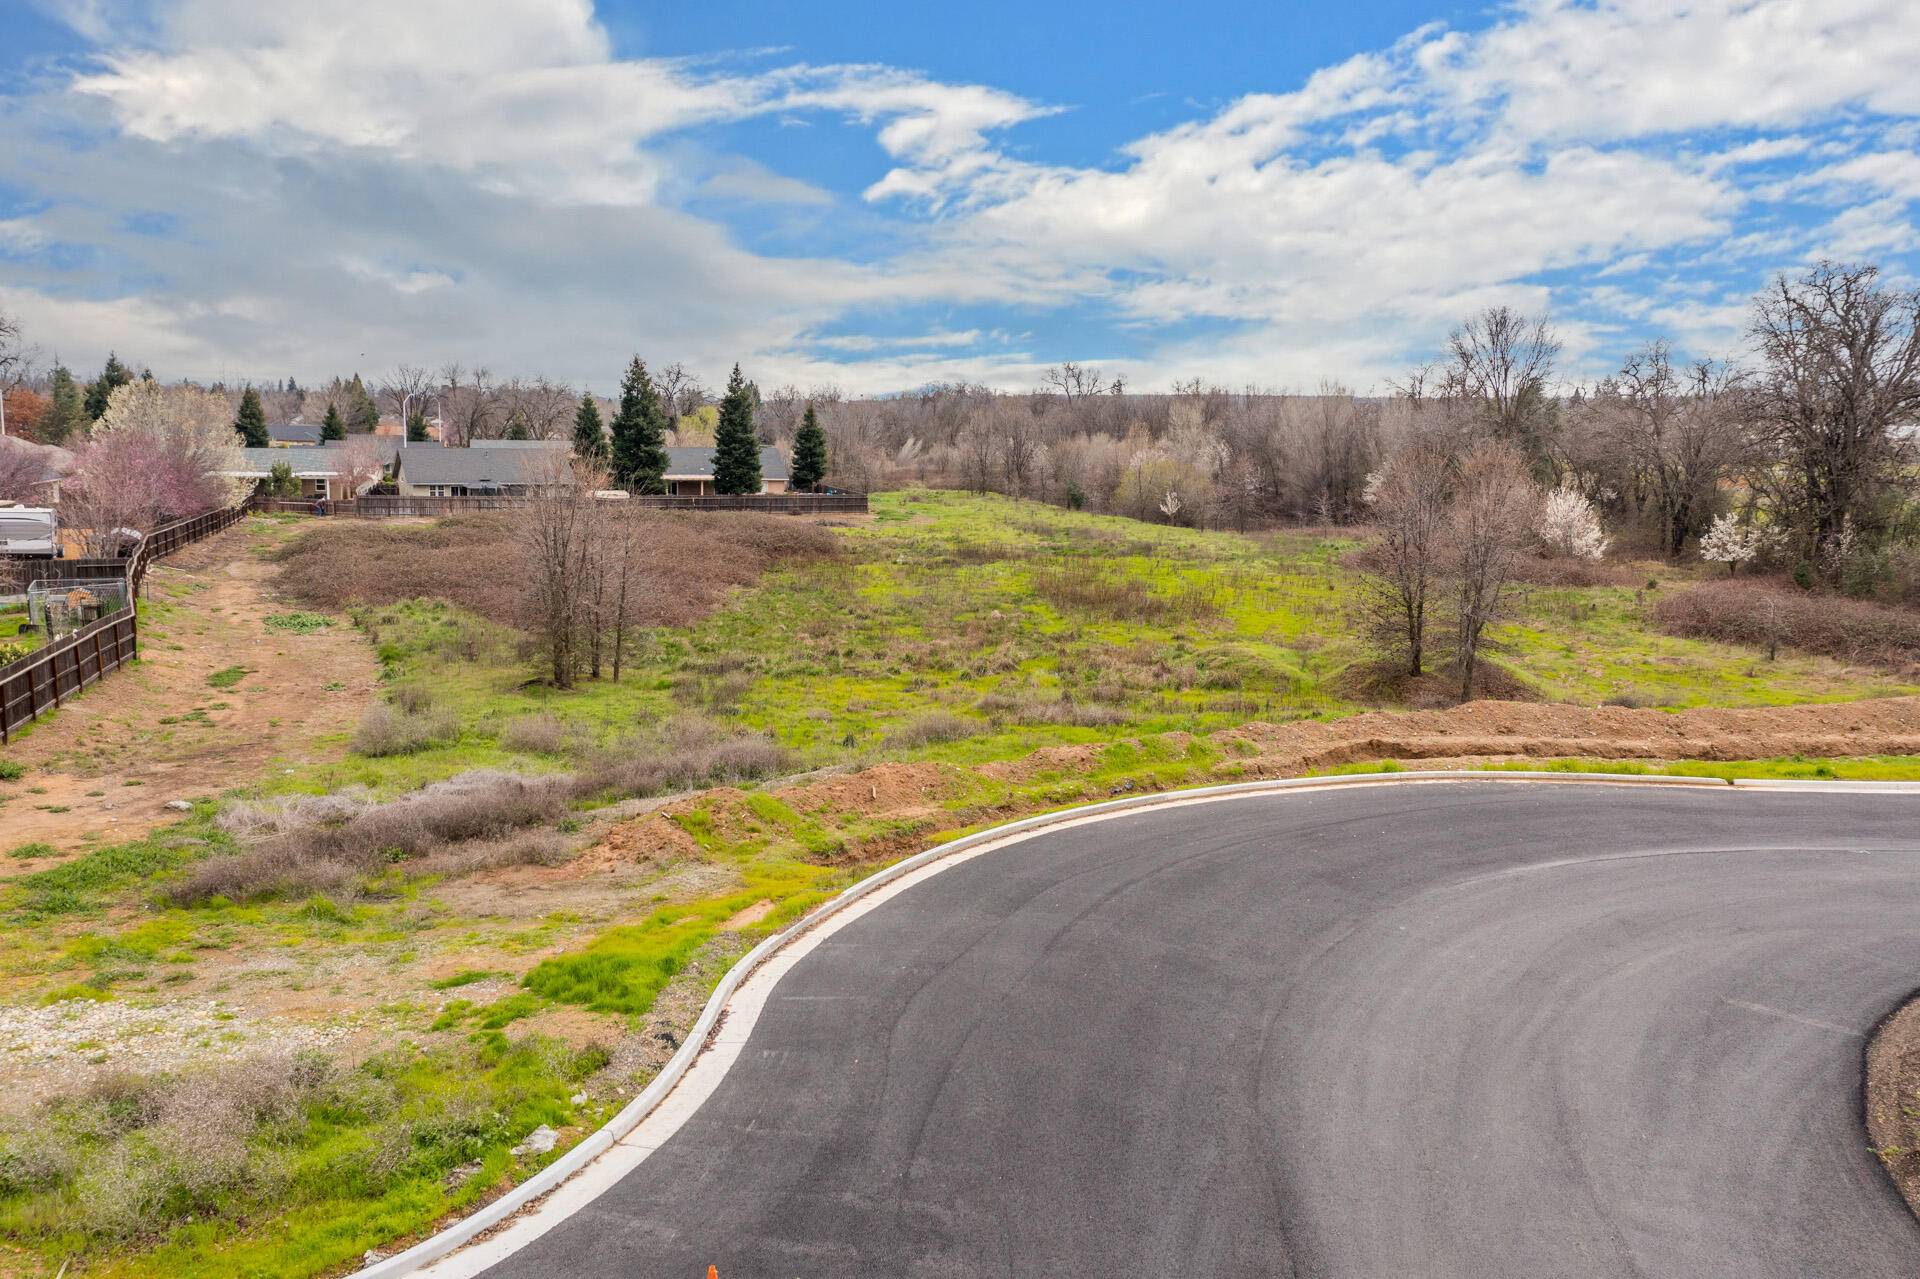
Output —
(884, 788)
(655, 838)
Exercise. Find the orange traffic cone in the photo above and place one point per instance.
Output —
(713, 1272)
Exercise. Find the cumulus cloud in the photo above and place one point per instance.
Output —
(354, 183)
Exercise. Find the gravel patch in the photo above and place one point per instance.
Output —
(153, 1036)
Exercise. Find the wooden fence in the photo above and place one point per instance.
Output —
(42, 680)
(387, 507)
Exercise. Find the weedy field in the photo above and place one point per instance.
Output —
(320, 1012)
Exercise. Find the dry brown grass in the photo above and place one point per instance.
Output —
(1765, 611)
(1082, 583)
(473, 561)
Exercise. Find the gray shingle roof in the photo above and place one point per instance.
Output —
(692, 462)
(475, 467)
(294, 432)
(311, 462)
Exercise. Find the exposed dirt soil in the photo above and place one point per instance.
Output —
(1893, 1098)
(108, 762)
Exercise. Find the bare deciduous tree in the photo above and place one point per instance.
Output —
(1498, 363)
(1074, 382)
(1399, 590)
(1842, 372)
(1489, 523)
(1676, 438)
(557, 541)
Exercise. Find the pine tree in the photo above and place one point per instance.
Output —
(331, 427)
(589, 437)
(67, 413)
(251, 424)
(101, 389)
(736, 453)
(640, 434)
(809, 451)
(417, 429)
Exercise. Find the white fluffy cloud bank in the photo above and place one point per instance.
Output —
(259, 189)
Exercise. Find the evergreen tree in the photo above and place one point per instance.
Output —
(331, 427)
(363, 415)
(251, 425)
(67, 413)
(517, 429)
(736, 453)
(417, 429)
(809, 451)
(101, 389)
(589, 436)
(639, 434)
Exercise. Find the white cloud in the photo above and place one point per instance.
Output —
(488, 180)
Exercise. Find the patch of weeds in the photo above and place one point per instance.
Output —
(37, 849)
(78, 990)
(465, 977)
(229, 677)
(12, 770)
(297, 623)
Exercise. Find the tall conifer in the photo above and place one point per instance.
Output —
(809, 451)
(251, 424)
(736, 451)
(640, 434)
(589, 437)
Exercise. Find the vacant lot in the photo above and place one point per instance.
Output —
(469, 903)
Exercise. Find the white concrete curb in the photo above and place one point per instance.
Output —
(620, 1129)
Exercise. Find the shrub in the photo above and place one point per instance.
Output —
(536, 734)
(930, 730)
(331, 860)
(385, 731)
(1758, 612)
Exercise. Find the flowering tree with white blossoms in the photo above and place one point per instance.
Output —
(1570, 527)
(1732, 543)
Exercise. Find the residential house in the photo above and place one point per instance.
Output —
(480, 471)
(690, 470)
(318, 468)
(283, 435)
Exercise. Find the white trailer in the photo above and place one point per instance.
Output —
(28, 530)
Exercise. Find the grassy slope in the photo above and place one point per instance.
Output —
(934, 610)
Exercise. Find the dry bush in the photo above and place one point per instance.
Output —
(412, 697)
(138, 1153)
(331, 859)
(1764, 613)
(540, 734)
(1038, 710)
(1536, 571)
(692, 759)
(537, 847)
(386, 731)
(249, 818)
(930, 730)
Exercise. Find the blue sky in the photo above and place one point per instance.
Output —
(874, 198)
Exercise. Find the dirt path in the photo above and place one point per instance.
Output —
(107, 763)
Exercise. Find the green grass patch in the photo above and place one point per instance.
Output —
(297, 623)
(229, 677)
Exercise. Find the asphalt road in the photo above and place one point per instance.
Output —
(1465, 1029)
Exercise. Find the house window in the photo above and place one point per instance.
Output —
(436, 490)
